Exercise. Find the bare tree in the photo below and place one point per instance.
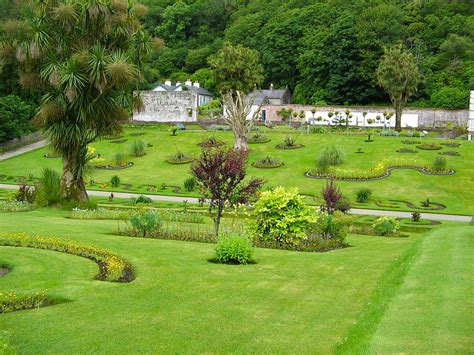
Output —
(239, 114)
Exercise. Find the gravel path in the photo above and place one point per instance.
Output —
(424, 215)
(22, 150)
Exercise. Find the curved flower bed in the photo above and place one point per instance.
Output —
(429, 146)
(451, 144)
(285, 146)
(183, 160)
(451, 153)
(383, 175)
(47, 155)
(267, 163)
(110, 167)
(119, 141)
(111, 266)
(211, 143)
(11, 301)
(411, 142)
(260, 139)
(406, 150)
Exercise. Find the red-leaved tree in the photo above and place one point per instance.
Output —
(333, 199)
(220, 174)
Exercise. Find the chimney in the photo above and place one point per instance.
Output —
(196, 84)
(271, 86)
(168, 82)
(188, 83)
(178, 83)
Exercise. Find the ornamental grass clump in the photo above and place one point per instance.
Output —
(234, 249)
(49, 188)
(112, 267)
(138, 148)
(439, 165)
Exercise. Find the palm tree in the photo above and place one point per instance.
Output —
(85, 56)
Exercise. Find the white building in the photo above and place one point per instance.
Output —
(173, 103)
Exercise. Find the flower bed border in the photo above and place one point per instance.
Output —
(91, 252)
(388, 172)
(187, 161)
(422, 146)
(266, 140)
(110, 167)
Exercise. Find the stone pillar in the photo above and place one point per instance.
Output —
(471, 117)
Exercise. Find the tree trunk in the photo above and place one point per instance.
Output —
(217, 218)
(72, 188)
(398, 117)
(240, 142)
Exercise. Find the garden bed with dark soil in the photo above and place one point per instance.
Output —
(110, 167)
(284, 146)
(386, 175)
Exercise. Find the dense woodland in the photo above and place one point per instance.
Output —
(325, 51)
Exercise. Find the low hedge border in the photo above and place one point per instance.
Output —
(386, 175)
(111, 266)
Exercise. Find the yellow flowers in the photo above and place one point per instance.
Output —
(10, 301)
(112, 267)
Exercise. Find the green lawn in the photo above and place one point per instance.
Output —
(180, 302)
(454, 191)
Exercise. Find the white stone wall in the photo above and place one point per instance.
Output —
(471, 117)
(164, 106)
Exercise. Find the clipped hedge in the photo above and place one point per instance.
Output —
(112, 267)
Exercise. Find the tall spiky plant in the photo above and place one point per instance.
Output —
(85, 56)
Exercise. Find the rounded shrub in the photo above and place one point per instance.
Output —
(386, 225)
(143, 199)
(234, 249)
(115, 181)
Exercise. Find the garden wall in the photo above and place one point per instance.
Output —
(19, 142)
(164, 106)
(419, 117)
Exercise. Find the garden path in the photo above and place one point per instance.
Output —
(22, 150)
(401, 214)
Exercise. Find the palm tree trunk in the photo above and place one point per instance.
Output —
(72, 188)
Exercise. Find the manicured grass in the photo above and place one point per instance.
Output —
(180, 302)
(430, 312)
(453, 191)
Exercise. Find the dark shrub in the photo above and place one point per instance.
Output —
(143, 199)
(25, 194)
(190, 184)
(415, 216)
(363, 195)
(115, 181)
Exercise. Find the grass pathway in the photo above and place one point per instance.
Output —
(430, 312)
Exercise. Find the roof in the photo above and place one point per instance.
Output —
(198, 90)
(261, 96)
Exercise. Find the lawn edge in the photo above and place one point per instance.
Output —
(359, 336)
